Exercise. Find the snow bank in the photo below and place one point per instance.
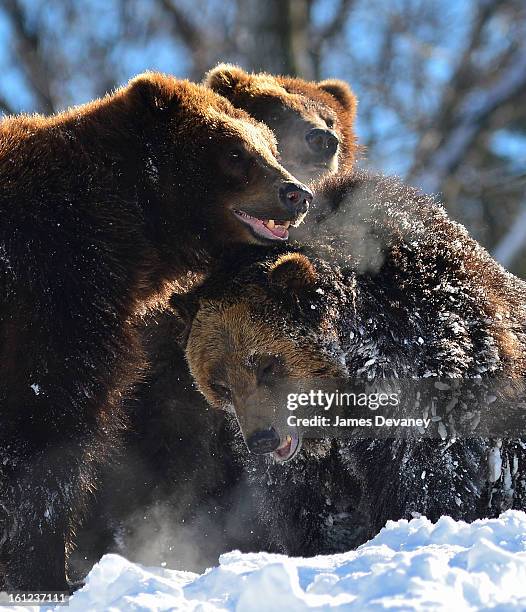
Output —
(410, 565)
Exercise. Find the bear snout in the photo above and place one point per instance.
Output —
(263, 441)
(296, 198)
(322, 142)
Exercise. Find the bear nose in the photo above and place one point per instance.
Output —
(322, 142)
(295, 197)
(263, 441)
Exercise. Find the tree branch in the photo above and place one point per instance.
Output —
(30, 51)
(5, 107)
(189, 32)
(513, 242)
(472, 117)
(461, 76)
(319, 38)
(337, 23)
(461, 81)
(192, 36)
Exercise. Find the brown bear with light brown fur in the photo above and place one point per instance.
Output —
(385, 289)
(169, 496)
(313, 121)
(105, 208)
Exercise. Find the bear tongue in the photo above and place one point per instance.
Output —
(267, 228)
(278, 230)
(284, 449)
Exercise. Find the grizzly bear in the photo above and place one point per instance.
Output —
(162, 491)
(390, 289)
(106, 208)
(313, 121)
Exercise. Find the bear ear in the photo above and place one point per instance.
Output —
(152, 91)
(292, 272)
(341, 91)
(186, 307)
(225, 79)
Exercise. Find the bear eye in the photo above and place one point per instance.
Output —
(329, 123)
(222, 391)
(268, 368)
(236, 155)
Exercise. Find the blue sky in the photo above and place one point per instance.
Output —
(164, 54)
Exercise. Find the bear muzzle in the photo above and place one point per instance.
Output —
(266, 441)
(294, 200)
(263, 441)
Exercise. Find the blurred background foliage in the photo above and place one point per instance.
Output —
(441, 85)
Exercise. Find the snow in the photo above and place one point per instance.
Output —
(409, 565)
(495, 463)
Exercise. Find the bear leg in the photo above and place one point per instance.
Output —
(40, 499)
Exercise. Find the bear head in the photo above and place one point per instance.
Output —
(254, 334)
(313, 121)
(381, 309)
(209, 169)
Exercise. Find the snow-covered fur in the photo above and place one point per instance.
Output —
(388, 287)
(399, 289)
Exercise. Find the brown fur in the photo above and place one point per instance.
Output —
(387, 275)
(104, 208)
(292, 271)
(291, 106)
(167, 405)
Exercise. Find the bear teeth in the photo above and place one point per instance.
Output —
(241, 213)
(270, 223)
(286, 444)
(272, 229)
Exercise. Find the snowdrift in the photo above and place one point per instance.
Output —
(410, 565)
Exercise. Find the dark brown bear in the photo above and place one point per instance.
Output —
(313, 121)
(389, 289)
(104, 209)
(162, 500)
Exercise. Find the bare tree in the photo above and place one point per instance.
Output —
(438, 83)
(513, 242)
(463, 116)
(5, 107)
(29, 48)
(273, 36)
(198, 40)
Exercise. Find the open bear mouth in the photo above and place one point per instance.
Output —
(288, 449)
(265, 228)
